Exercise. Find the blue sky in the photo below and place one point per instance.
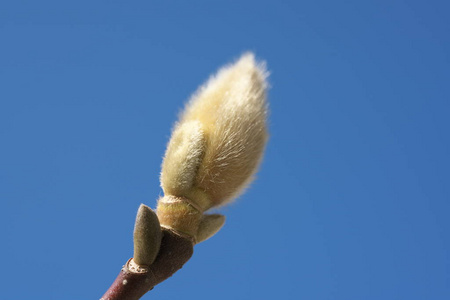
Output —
(352, 199)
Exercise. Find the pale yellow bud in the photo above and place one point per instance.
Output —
(218, 143)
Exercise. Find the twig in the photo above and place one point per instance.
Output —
(134, 281)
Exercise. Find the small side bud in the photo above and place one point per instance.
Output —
(209, 226)
(147, 236)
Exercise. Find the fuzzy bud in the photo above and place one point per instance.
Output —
(218, 143)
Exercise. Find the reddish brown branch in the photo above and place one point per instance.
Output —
(134, 281)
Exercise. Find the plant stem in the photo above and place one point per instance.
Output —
(134, 281)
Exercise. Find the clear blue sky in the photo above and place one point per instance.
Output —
(352, 200)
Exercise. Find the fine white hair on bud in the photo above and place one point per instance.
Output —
(183, 157)
(218, 143)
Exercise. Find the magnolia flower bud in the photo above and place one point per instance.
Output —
(211, 157)
(218, 143)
